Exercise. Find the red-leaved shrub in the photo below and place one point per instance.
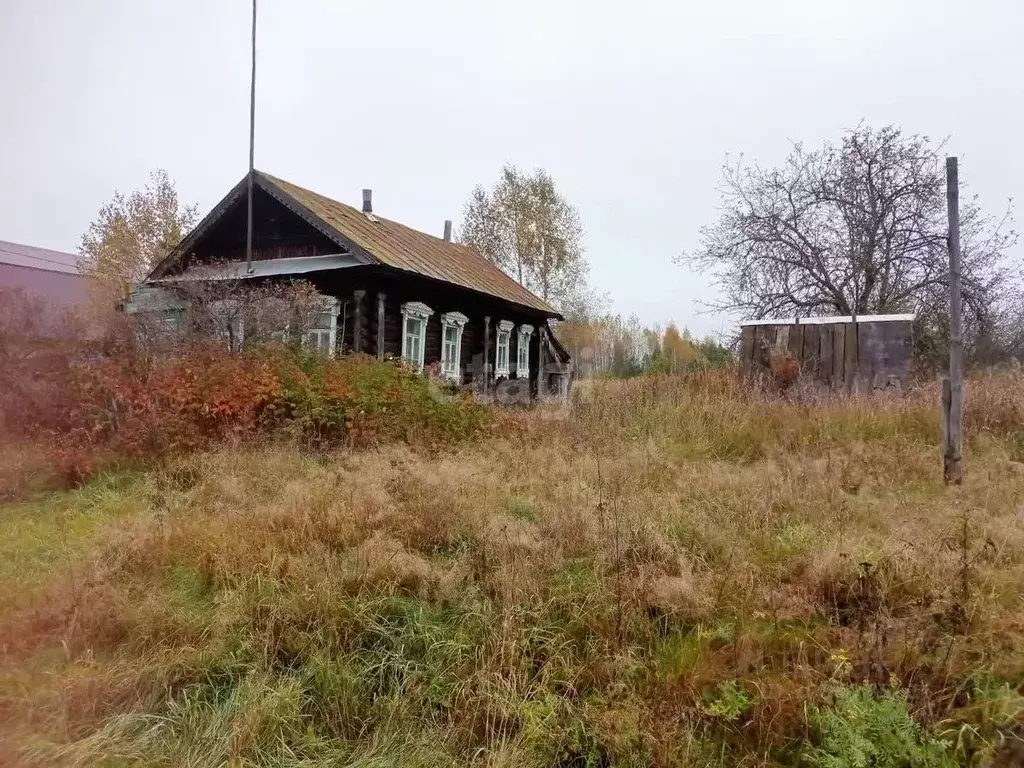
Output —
(93, 402)
(173, 403)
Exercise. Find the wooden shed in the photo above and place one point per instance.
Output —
(849, 354)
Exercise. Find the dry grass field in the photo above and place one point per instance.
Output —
(672, 572)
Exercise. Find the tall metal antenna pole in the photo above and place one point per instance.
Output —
(252, 142)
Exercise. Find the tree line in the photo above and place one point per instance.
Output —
(611, 345)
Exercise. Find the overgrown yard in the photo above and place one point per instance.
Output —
(675, 572)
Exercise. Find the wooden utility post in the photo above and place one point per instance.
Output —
(953, 386)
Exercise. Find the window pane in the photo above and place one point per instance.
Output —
(413, 339)
(504, 337)
(323, 320)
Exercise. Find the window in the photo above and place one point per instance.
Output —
(323, 331)
(501, 348)
(523, 352)
(414, 341)
(170, 322)
(284, 322)
(452, 324)
(414, 332)
(159, 326)
(270, 319)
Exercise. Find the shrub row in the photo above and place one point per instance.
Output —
(98, 409)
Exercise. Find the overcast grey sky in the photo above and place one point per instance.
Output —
(631, 106)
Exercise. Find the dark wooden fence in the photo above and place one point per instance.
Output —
(842, 353)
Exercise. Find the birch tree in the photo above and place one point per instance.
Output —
(526, 227)
(133, 232)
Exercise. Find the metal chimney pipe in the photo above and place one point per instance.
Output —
(367, 201)
(447, 230)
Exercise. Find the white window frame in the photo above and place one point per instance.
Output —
(452, 369)
(503, 348)
(415, 310)
(329, 305)
(523, 345)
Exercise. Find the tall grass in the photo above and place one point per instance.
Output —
(673, 571)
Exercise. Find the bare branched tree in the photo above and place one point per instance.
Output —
(527, 228)
(237, 313)
(853, 228)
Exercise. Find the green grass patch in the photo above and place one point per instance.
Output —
(44, 539)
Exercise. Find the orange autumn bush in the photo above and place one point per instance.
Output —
(107, 401)
(173, 403)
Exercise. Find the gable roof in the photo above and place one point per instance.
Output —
(378, 240)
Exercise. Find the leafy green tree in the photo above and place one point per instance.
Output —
(716, 354)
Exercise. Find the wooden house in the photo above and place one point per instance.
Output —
(394, 291)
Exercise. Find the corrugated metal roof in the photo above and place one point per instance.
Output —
(829, 320)
(235, 270)
(38, 258)
(401, 247)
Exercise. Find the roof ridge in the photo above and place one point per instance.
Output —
(365, 230)
(278, 179)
